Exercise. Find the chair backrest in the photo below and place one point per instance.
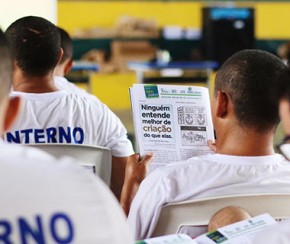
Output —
(198, 212)
(96, 157)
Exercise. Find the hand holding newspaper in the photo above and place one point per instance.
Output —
(174, 122)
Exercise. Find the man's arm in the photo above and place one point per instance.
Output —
(146, 205)
(118, 174)
(136, 171)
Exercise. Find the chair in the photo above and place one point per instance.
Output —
(94, 157)
(197, 213)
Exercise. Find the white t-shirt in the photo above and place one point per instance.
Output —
(199, 177)
(44, 200)
(62, 117)
(63, 84)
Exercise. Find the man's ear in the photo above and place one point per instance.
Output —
(60, 55)
(222, 102)
(68, 66)
(12, 111)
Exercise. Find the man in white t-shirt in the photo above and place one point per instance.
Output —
(65, 65)
(245, 116)
(50, 115)
(280, 233)
(45, 200)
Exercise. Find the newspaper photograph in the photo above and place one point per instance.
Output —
(174, 122)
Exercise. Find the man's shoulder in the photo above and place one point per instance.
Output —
(225, 167)
(16, 152)
(63, 84)
(30, 157)
(28, 162)
(194, 162)
(45, 97)
(58, 189)
(175, 168)
(194, 167)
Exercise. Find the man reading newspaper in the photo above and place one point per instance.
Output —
(245, 117)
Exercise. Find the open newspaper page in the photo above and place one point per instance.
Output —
(174, 122)
(238, 233)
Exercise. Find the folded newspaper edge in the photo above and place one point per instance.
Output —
(237, 233)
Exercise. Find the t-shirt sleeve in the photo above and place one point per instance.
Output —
(115, 134)
(146, 206)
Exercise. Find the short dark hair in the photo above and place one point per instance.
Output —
(35, 45)
(5, 67)
(249, 77)
(66, 45)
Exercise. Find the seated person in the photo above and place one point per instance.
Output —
(45, 200)
(65, 65)
(245, 117)
(226, 216)
(280, 233)
(50, 115)
(283, 52)
(284, 108)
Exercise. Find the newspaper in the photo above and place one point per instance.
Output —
(237, 233)
(174, 122)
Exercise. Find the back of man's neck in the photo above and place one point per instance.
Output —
(34, 84)
(59, 71)
(247, 143)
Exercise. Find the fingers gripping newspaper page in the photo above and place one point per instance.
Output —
(174, 122)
